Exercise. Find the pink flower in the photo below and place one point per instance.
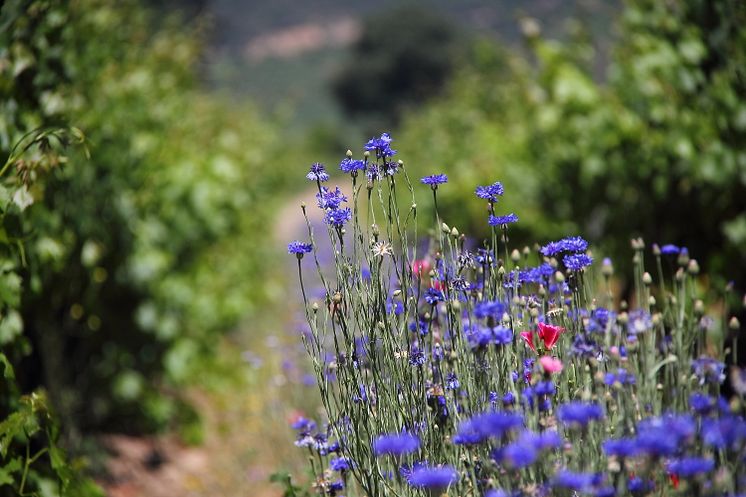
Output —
(551, 364)
(421, 266)
(549, 334)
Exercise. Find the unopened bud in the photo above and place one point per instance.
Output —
(734, 324)
(501, 271)
(515, 256)
(559, 277)
(647, 279)
(526, 251)
(651, 301)
(607, 269)
(622, 318)
(397, 292)
(656, 249)
(699, 307)
(337, 298)
(456, 305)
(693, 267)
(454, 232)
(680, 275)
(683, 258)
(366, 154)
(349, 154)
(445, 228)
(315, 307)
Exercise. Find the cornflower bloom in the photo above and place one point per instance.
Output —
(434, 180)
(490, 192)
(569, 244)
(579, 413)
(317, 173)
(502, 220)
(396, 444)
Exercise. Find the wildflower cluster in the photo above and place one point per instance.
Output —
(448, 368)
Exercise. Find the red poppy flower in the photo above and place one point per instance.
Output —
(674, 481)
(549, 334)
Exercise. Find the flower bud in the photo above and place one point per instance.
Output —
(366, 154)
(607, 268)
(647, 279)
(445, 228)
(734, 324)
(454, 232)
(651, 301)
(526, 251)
(456, 305)
(683, 258)
(693, 267)
(397, 292)
(315, 307)
(656, 250)
(515, 256)
(699, 307)
(349, 154)
(559, 277)
(680, 275)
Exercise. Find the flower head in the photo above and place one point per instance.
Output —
(318, 173)
(396, 444)
(577, 262)
(550, 364)
(569, 244)
(687, 467)
(338, 217)
(434, 180)
(580, 413)
(490, 192)
(381, 146)
(503, 220)
(330, 199)
(670, 249)
(350, 166)
(299, 248)
(433, 477)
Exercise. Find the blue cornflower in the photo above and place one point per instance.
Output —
(350, 166)
(433, 477)
(621, 447)
(519, 454)
(373, 173)
(299, 248)
(479, 337)
(433, 296)
(304, 425)
(580, 413)
(701, 403)
(340, 464)
(336, 486)
(452, 382)
(489, 308)
(496, 493)
(708, 370)
(622, 376)
(502, 335)
(670, 249)
(577, 262)
(396, 444)
(728, 432)
(330, 199)
(503, 220)
(662, 436)
(690, 466)
(569, 244)
(417, 358)
(434, 180)
(545, 388)
(381, 146)
(483, 426)
(508, 399)
(338, 217)
(317, 173)
(580, 482)
(490, 192)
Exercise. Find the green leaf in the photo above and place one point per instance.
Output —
(6, 471)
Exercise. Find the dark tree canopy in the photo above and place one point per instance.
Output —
(403, 57)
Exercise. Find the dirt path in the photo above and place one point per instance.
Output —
(247, 437)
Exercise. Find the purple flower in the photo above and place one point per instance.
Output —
(433, 477)
(381, 146)
(483, 426)
(569, 244)
(580, 413)
(338, 217)
(299, 248)
(491, 192)
(503, 220)
(330, 199)
(708, 370)
(433, 296)
(577, 262)
(489, 308)
(622, 447)
(690, 466)
(580, 482)
(350, 166)
(396, 444)
(670, 249)
(317, 173)
(434, 180)
(340, 464)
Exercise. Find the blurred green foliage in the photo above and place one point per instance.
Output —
(658, 149)
(122, 269)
